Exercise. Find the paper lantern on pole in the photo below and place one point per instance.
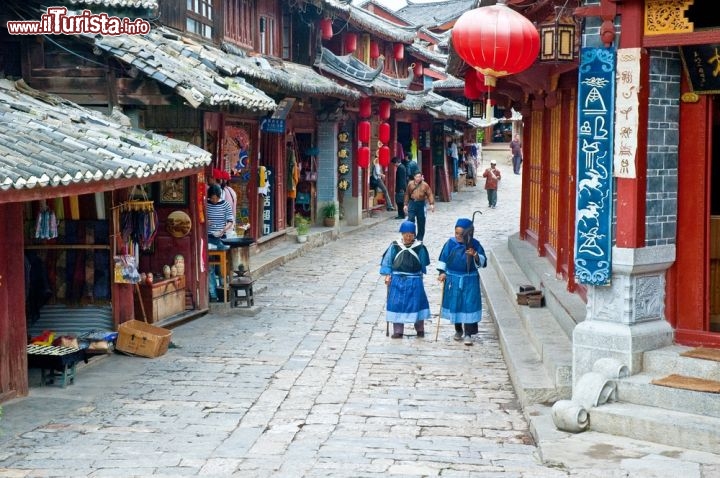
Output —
(350, 42)
(374, 50)
(364, 131)
(365, 108)
(384, 133)
(384, 110)
(363, 160)
(384, 156)
(399, 51)
(326, 31)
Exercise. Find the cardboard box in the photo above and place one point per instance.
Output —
(138, 338)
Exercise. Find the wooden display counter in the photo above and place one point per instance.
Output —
(161, 299)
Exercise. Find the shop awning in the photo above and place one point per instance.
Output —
(47, 141)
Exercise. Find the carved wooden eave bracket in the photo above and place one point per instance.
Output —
(607, 11)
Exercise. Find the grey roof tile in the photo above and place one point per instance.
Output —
(46, 141)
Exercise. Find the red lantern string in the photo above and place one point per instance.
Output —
(364, 131)
(384, 110)
(350, 42)
(326, 30)
(384, 133)
(374, 50)
(399, 51)
(384, 156)
(365, 107)
(363, 160)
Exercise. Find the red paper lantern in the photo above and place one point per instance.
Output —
(374, 50)
(364, 131)
(399, 51)
(365, 109)
(496, 41)
(384, 156)
(363, 160)
(472, 92)
(350, 42)
(384, 110)
(326, 31)
(384, 133)
(417, 69)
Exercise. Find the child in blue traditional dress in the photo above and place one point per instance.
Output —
(403, 265)
(460, 259)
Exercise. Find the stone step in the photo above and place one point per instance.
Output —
(637, 389)
(667, 360)
(540, 373)
(657, 425)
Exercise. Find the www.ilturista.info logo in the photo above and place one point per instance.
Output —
(57, 21)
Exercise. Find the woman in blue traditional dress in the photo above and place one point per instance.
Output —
(403, 265)
(459, 261)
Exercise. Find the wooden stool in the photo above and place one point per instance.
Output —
(220, 257)
(241, 290)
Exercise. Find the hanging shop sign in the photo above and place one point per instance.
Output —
(268, 210)
(702, 65)
(593, 228)
(627, 106)
(276, 122)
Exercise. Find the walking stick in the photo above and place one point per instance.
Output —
(387, 324)
(442, 296)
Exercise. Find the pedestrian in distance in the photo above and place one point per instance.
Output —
(411, 166)
(403, 264)
(379, 182)
(460, 258)
(492, 178)
(516, 149)
(401, 181)
(417, 195)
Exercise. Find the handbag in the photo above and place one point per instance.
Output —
(311, 174)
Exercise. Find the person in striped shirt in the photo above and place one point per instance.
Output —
(219, 222)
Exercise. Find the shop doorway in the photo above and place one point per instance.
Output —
(714, 249)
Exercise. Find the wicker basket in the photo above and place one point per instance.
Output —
(139, 338)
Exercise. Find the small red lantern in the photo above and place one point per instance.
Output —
(363, 160)
(365, 109)
(384, 156)
(364, 131)
(374, 50)
(384, 133)
(417, 69)
(496, 40)
(326, 31)
(384, 110)
(350, 42)
(399, 51)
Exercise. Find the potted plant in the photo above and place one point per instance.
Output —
(329, 212)
(302, 226)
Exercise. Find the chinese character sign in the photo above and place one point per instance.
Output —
(593, 215)
(626, 111)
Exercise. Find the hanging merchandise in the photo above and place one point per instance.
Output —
(46, 226)
(138, 221)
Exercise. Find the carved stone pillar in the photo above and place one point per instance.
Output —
(627, 317)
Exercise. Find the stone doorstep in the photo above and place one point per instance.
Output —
(667, 360)
(638, 390)
(658, 425)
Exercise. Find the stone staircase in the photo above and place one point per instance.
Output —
(537, 345)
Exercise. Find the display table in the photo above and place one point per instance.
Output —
(55, 363)
(161, 299)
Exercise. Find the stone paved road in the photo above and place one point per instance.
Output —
(309, 387)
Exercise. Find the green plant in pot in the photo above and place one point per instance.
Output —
(302, 226)
(329, 211)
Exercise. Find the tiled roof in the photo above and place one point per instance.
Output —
(371, 81)
(200, 73)
(380, 27)
(149, 4)
(429, 14)
(438, 106)
(424, 53)
(291, 78)
(46, 141)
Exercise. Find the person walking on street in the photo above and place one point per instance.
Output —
(403, 264)
(492, 177)
(417, 193)
(460, 259)
(379, 177)
(401, 181)
(516, 148)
